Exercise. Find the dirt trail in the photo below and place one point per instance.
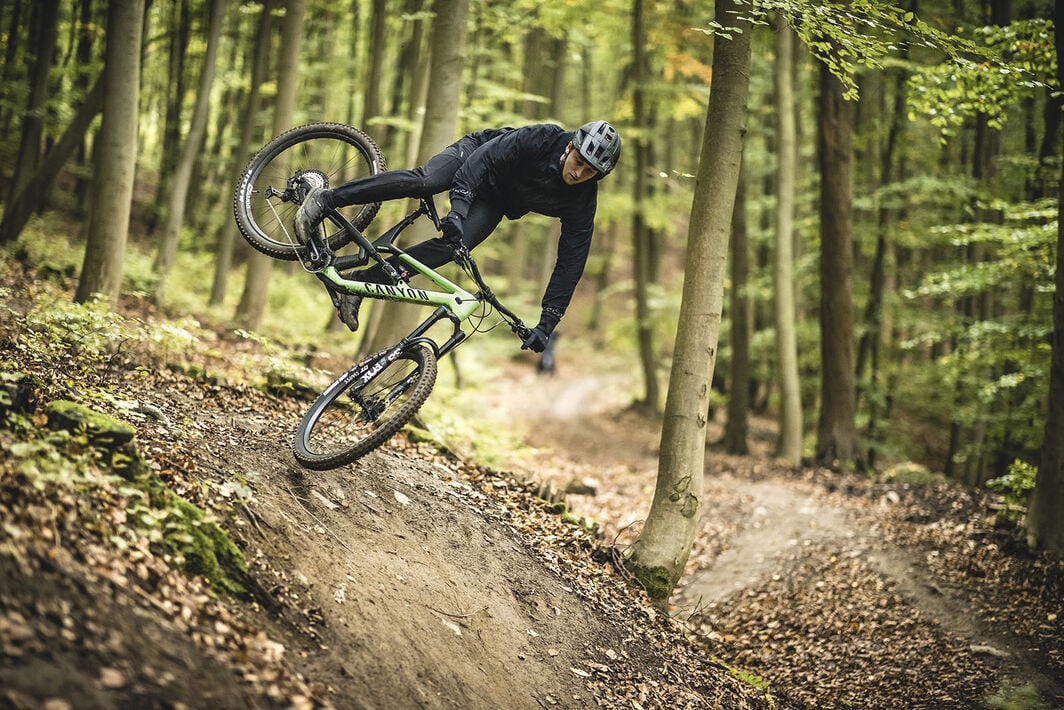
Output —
(783, 561)
(780, 520)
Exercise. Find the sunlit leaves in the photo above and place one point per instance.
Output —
(948, 94)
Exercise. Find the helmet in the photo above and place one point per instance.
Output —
(599, 144)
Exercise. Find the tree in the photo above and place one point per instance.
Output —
(658, 557)
(249, 128)
(394, 320)
(46, 26)
(736, 427)
(789, 446)
(175, 213)
(253, 300)
(836, 427)
(115, 155)
(1045, 524)
(641, 232)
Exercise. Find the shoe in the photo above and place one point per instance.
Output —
(348, 311)
(310, 215)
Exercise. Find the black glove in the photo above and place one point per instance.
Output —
(537, 339)
(451, 225)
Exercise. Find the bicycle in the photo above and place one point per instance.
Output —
(374, 399)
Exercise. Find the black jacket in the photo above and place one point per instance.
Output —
(519, 170)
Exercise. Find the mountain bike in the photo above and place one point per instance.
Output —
(374, 399)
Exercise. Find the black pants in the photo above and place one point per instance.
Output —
(429, 179)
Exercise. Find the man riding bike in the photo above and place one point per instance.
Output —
(491, 174)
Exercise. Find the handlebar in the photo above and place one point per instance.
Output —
(464, 259)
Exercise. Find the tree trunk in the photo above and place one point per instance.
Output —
(1045, 524)
(256, 288)
(115, 155)
(11, 52)
(175, 213)
(263, 42)
(789, 445)
(371, 106)
(650, 404)
(837, 444)
(742, 323)
(86, 39)
(395, 320)
(180, 31)
(874, 333)
(44, 39)
(659, 555)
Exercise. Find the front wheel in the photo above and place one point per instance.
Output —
(272, 186)
(365, 407)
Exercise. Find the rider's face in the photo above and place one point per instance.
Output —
(575, 169)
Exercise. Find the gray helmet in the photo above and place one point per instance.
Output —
(599, 144)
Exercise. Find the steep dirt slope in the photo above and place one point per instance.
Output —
(411, 579)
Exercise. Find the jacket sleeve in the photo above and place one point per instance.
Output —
(574, 245)
(482, 168)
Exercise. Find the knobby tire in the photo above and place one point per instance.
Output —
(333, 153)
(351, 417)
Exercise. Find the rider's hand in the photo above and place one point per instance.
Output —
(536, 340)
(451, 225)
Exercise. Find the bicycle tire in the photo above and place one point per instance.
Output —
(353, 416)
(330, 153)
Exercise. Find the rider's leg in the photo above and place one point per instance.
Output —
(429, 179)
(481, 221)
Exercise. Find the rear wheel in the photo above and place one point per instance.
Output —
(365, 407)
(272, 186)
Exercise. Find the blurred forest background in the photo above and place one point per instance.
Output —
(950, 167)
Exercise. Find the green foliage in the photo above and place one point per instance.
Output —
(861, 33)
(81, 460)
(950, 94)
(1015, 486)
(992, 366)
(1016, 697)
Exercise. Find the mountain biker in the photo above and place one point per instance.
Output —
(491, 174)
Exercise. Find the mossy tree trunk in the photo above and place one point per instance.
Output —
(659, 555)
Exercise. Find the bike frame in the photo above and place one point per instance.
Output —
(453, 303)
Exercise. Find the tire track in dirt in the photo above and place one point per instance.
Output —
(784, 522)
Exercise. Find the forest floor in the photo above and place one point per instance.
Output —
(418, 578)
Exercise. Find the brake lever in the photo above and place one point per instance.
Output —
(461, 254)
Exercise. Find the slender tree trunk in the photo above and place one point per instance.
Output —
(394, 320)
(742, 323)
(256, 288)
(45, 31)
(837, 444)
(875, 334)
(659, 555)
(1045, 524)
(650, 404)
(86, 38)
(789, 445)
(11, 52)
(371, 107)
(116, 155)
(249, 131)
(181, 24)
(175, 213)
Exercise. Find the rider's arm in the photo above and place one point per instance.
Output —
(573, 248)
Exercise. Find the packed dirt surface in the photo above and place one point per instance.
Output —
(417, 578)
(411, 579)
(838, 590)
